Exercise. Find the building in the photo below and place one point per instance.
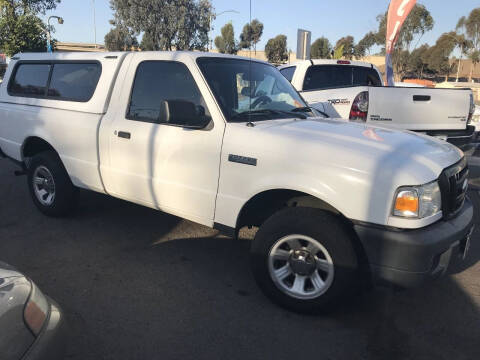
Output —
(78, 47)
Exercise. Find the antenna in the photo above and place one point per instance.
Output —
(250, 70)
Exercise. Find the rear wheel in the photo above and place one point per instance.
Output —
(304, 260)
(50, 186)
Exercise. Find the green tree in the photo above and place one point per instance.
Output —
(225, 42)
(348, 43)
(167, 24)
(31, 6)
(21, 30)
(418, 61)
(148, 43)
(462, 42)
(461, 30)
(439, 55)
(338, 52)
(321, 49)
(400, 63)
(251, 35)
(418, 22)
(472, 26)
(276, 49)
(120, 38)
(364, 45)
(475, 57)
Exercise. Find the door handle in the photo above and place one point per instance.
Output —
(422, 98)
(124, 135)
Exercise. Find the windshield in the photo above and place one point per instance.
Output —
(252, 91)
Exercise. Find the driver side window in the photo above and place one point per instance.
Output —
(164, 92)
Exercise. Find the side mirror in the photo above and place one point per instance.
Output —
(183, 113)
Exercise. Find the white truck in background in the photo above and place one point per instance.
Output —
(353, 90)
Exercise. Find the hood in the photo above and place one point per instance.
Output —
(359, 147)
(355, 168)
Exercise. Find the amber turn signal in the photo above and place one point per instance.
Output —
(406, 203)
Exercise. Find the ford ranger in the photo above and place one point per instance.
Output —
(228, 142)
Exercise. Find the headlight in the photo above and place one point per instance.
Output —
(36, 310)
(418, 201)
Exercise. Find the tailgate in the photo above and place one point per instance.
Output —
(419, 108)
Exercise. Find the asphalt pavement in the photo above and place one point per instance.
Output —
(135, 283)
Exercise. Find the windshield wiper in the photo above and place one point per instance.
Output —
(294, 113)
(310, 109)
(302, 109)
(245, 115)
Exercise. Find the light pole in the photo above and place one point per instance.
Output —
(214, 16)
(94, 24)
(49, 36)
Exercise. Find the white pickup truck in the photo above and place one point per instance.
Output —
(353, 90)
(198, 135)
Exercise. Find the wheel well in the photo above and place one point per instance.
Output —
(35, 145)
(265, 204)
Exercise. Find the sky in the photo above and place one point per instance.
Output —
(329, 18)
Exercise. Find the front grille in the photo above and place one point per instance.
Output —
(453, 185)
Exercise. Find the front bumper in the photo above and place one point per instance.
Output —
(50, 343)
(409, 257)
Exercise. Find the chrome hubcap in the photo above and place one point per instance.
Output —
(302, 262)
(44, 186)
(300, 266)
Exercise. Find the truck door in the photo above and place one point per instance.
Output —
(165, 138)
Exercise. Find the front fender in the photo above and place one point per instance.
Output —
(348, 197)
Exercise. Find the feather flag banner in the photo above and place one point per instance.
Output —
(397, 14)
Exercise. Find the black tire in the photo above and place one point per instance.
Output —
(66, 194)
(331, 233)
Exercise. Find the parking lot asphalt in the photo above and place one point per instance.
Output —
(135, 283)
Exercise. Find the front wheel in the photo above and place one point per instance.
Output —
(304, 260)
